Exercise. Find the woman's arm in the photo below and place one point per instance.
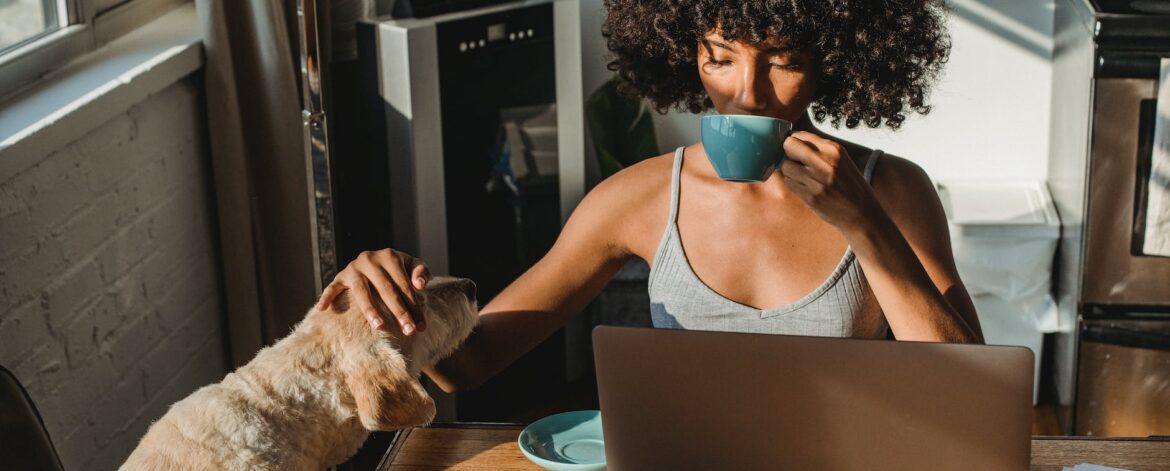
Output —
(907, 258)
(899, 235)
(592, 246)
(588, 252)
(617, 220)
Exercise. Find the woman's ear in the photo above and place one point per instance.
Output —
(385, 395)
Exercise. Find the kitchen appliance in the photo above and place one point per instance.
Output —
(424, 8)
(1114, 298)
(481, 116)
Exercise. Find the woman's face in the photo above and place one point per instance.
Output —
(762, 79)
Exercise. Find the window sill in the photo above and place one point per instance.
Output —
(90, 91)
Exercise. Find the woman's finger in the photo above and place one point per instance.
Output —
(328, 294)
(796, 171)
(819, 143)
(397, 267)
(420, 274)
(801, 181)
(794, 184)
(798, 143)
(807, 190)
(806, 153)
(361, 295)
(391, 295)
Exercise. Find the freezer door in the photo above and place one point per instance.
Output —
(1116, 271)
(1124, 378)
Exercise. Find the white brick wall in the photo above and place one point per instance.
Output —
(109, 285)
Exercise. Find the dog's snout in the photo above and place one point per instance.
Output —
(468, 288)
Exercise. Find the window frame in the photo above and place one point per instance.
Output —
(90, 24)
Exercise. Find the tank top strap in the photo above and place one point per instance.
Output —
(870, 164)
(675, 176)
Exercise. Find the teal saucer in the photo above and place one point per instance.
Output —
(570, 441)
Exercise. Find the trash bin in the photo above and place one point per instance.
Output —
(1004, 236)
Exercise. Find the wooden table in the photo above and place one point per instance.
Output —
(493, 447)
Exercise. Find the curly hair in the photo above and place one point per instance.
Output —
(877, 58)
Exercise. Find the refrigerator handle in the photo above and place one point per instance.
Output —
(1127, 65)
(1125, 337)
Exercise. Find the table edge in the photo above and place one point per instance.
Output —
(401, 436)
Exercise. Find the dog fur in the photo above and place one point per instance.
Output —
(309, 401)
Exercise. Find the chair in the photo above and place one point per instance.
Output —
(24, 442)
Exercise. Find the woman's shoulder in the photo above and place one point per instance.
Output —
(891, 173)
(906, 192)
(632, 205)
(895, 176)
(645, 179)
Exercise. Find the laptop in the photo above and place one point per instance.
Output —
(682, 400)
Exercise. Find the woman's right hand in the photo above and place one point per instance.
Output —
(395, 277)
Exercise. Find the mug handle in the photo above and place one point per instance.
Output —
(783, 155)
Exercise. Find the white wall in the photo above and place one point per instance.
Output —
(109, 282)
(991, 107)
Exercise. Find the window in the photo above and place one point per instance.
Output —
(25, 20)
(37, 36)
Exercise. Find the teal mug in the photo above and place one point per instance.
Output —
(744, 148)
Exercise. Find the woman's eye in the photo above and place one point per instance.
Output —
(790, 66)
(720, 63)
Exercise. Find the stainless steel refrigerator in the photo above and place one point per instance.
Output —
(1112, 362)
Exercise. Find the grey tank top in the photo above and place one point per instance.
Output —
(843, 306)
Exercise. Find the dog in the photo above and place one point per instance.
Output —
(309, 401)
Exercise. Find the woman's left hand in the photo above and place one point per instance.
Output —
(821, 173)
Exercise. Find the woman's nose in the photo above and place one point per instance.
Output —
(752, 93)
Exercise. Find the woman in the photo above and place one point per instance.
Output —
(764, 257)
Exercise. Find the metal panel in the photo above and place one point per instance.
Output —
(1072, 93)
(408, 83)
(394, 90)
(1113, 274)
(570, 105)
(316, 133)
(426, 134)
(1124, 388)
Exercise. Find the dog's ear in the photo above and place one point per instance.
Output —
(385, 395)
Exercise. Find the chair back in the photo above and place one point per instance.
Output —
(24, 442)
